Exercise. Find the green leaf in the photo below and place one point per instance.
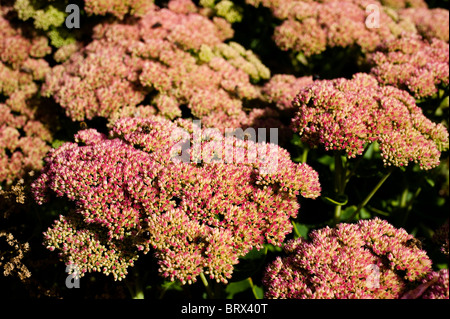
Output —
(370, 150)
(347, 212)
(237, 287)
(444, 103)
(273, 248)
(440, 201)
(364, 214)
(429, 181)
(327, 160)
(302, 59)
(57, 143)
(172, 285)
(301, 229)
(249, 264)
(442, 266)
(298, 159)
(296, 140)
(259, 292)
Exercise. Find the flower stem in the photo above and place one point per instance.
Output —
(339, 184)
(337, 213)
(207, 286)
(135, 289)
(305, 155)
(408, 205)
(370, 195)
(296, 232)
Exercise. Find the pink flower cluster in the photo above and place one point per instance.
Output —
(197, 200)
(400, 4)
(430, 23)
(22, 136)
(439, 288)
(281, 89)
(347, 114)
(310, 27)
(370, 259)
(410, 63)
(86, 249)
(434, 286)
(172, 59)
(118, 8)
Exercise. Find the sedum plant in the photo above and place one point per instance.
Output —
(368, 260)
(195, 200)
(24, 139)
(166, 62)
(412, 64)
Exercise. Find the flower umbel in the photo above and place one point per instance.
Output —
(200, 215)
(348, 115)
(340, 262)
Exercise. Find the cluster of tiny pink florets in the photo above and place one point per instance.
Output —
(430, 23)
(370, 259)
(310, 27)
(281, 89)
(410, 63)
(118, 8)
(439, 287)
(176, 59)
(133, 195)
(23, 138)
(347, 115)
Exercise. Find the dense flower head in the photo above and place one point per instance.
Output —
(281, 89)
(389, 3)
(23, 138)
(347, 114)
(172, 59)
(399, 4)
(439, 287)
(48, 16)
(410, 63)
(310, 27)
(86, 248)
(198, 199)
(434, 286)
(118, 8)
(51, 14)
(369, 259)
(430, 23)
(226, 9)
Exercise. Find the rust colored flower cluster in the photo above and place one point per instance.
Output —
(310, 27)
(370, 259)
(22, 68)
(169, 60)
(198, 199)
(347, 114)
(413, 64)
